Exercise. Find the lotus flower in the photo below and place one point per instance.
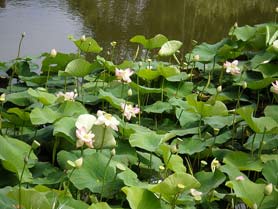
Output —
(107, 119)
(275, 87)
(68, 96)
(232, 68)
(83, 132)
(124, 75)
(129, 111)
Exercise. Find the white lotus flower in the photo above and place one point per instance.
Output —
(232, 68)
(83, 132)
(3, 97)
(68, 96)
(124, 75)
(107, 119)
(196, 194)
(129, 111)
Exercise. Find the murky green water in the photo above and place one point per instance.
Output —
(47, 23)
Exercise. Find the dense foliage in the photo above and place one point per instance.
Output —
(162, 130)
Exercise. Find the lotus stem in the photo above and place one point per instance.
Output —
(103, 137)
(104, 175)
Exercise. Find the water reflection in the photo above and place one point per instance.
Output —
(185, 20)
(47, 23)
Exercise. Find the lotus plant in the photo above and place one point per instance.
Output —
(129, 111)
(68, 96)
(232, 67)
(124, 75)
(107, 119)
(275, 87)
(83, 132)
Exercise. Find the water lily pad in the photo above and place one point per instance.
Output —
(79, 68)
(169, 48)
(88, 45)
(155, 42)
(158, 107)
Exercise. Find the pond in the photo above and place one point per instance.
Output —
(48, 23)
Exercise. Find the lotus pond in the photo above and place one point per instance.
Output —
(161, 130)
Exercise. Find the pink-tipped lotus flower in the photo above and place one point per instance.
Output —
(124, 75)
(107, 119)
(232, 67)
(129, 111)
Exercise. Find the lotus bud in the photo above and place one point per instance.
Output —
(244, 85)
(275, 45)
(181, 187)
(203, 162)
(149, 60)
(71, 164)
(276, 10)
(268, 189)
(113, 152)
(239, 178)
(23, 34)
(214, 164)
(53, 53)
(216, 131)
(35, 144)
(83, 38)
(219, 89)
(3, 97)
(129, 92)
(113, 44)
(161, 168)
(196, 58)
(120, 166)
(174, 149)
(235, 25)
(254, 206)
(79, 162)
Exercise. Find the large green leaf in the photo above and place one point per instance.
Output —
(43, 96)
(270, 171)
(79, 68)
(191, 146)
(70, 108)
(145, 90)
(12, 154)
(168, 71)
(251, 193)
(139, 198)
(88, 45)
(158, 107)
(103, 137)
(93, 172)
(65, 127)
(170, 185)
(271, 111)
(259, 125)
(210, 180)
(169, 48)
(100, 205)
(146, 140)
(244, 33)
(148, 74)
(243, 161)
(109, 97)
(20, 98)
(44, 115)
(152, 43)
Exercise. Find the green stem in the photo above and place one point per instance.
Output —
(138, 101)
(189, 165)
(47, 77)
(175, 57)
(2, 106)
(68, 183)
(104, 175)
(262, 143)
(103, 137)
(162, 89)
(19, 46)
(21, 177)
(54, 151)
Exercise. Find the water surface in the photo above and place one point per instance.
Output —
(48, 23)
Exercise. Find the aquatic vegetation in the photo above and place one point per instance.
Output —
(163, 130)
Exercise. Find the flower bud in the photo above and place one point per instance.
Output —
(214, 164)
(181, 187)
(276, 9)
(275, 45)
(129, 92)
(83, 38)
(196, 58)
(239, 178)
(174, 149)
(113, 152)
(255, 206)
(235, 25)
(219, 89)
(203, 162)
(23, 34)
(3, 97)
(149, 60)
(216, 131)
(35, 144)
(113, 44)
(268, 189)
(79, 162)
(161, 168)
(53, 53)
(71, 164)
(244, 85)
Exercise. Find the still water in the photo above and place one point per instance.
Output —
(47, 23)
